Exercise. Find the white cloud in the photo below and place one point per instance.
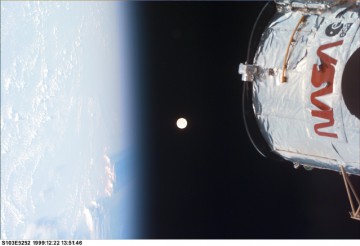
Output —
(43, 229)
(89, 220)
(110, 176)
(49, 189)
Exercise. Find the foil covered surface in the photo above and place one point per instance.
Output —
(305, 119)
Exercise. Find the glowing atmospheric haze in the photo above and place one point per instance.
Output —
(65, 119)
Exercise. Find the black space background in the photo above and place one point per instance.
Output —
(207, 181)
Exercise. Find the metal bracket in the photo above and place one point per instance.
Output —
(354, 214)
(247, 72)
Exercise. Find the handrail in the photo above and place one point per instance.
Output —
(283, 76)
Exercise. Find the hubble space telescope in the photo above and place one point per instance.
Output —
(301, 93)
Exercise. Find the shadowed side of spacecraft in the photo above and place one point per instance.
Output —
(301, 99)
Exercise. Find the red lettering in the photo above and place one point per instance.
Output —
(324, 57)
(329, 115)
(320, 75)
(325, 74)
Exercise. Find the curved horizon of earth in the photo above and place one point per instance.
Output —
(66, 117)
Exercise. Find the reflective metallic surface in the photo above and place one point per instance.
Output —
(297, 90)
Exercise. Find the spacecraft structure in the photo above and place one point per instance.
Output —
(301, 94)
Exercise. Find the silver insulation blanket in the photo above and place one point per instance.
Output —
(305, 119)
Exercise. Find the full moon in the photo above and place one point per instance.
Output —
(181, 123)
